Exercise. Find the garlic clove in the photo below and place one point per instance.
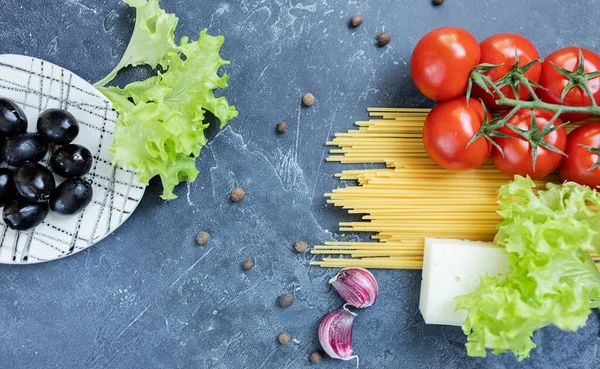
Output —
(335, 334)
(357, 286)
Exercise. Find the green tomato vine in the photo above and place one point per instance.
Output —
(515, 77)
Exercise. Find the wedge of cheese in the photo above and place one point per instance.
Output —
(452, 268)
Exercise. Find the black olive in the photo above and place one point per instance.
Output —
(34, 182)
(26, 148)
(58, 126)
(21, 214)
(8, 191)
(12, 118)
(71, 161)
(71, 196)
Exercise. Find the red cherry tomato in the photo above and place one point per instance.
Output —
(500, 50)
(555, 82)
(442, 61)
(518, 153)
(576, 167)
(448, 129)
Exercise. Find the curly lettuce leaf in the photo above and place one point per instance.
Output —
(153, 37)
(161, 123)
(553, 280)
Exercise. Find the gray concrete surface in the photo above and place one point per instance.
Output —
(147, 297)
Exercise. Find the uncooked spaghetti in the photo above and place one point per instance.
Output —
(409, 199)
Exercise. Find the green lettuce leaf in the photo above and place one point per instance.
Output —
(153, 37)
(553, 280)
(161, 123)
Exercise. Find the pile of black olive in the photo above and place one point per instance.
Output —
(28, 190)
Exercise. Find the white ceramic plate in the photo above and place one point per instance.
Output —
(36, 85)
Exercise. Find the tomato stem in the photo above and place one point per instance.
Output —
(536, 102)
(527, 85)
(593, 150)
(577, 79)
(592, 109)
(511, 113)
(489, 129)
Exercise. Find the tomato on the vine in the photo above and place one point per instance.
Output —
(555, 82)
(582, 164)
(517, 152)
(442, 61)
(501, 50)
(448, 129)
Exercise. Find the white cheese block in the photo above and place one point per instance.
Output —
(452, 268)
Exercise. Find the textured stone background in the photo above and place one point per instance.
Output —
(147, 297)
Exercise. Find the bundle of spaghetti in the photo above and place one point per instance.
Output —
(410, 199)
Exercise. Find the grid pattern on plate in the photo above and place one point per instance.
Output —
(36, 85)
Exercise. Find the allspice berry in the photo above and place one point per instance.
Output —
(308, 99)
(315, 357)
(438, 2)
(248, 264)
(301, 246)
(356, 20)
(282, 127)
(284, 338)
(202, 238)
(285, 300)
(237, 195)
(383, 39)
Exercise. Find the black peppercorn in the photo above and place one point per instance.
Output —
(383, 39)
(282, 127)
(285, 300)
(308, 99)
(237, 195)
(300, 246)
(284, 338)
(202, 238)
(356, 20)
(315, 357)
